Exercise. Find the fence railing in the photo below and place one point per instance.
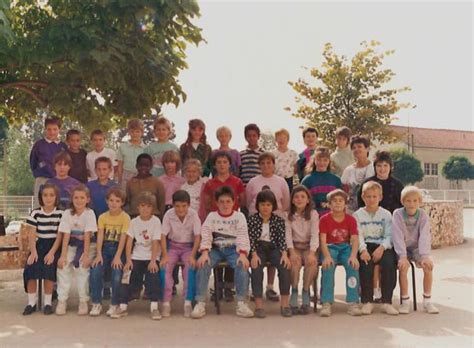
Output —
(19, 206)
(467, 196)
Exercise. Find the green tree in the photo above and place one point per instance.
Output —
(20, 179)
(267, 141)
(350, 93)
(458, 168)
(406, 167)
(96, 62)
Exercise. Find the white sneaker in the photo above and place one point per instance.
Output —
(367, 308)
(354, 309)
(389, 309)
(243, 310)
(96, 310)
(61, 308)
(111, 310)
(188, 308)
(404, 308)
(119, 313)
(325, 310)
(155, 314)
(165, 309)
(83, 308)
(430, 308)
(199, 310)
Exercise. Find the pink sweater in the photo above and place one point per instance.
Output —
(278, 186)
(300, 230)
(221, 231)
(171, 184)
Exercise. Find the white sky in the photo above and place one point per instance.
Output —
(254, 48)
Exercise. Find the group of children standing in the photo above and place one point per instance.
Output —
(129, 218)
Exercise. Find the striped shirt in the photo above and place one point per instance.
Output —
(249, 164)
(46, 224)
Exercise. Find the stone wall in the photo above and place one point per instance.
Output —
(447, 224)
(14, 259)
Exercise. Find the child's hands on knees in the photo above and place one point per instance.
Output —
(32, 258)
(378, 253)
(117, 263)
(255, 262)
(128, 266)
(99, 260)
(403, 264)
(61, 262)
(427, 264)
(327, 262)
(365, 256)
(153, 266)
(49, 258)
(203, 259)
(84, 261)
(164, 260)
(285, 261)
(311, 259)
(243, 261)
(354, 263)
(295, 259)
(192, 261)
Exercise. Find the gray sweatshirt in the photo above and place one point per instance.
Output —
(413, 234)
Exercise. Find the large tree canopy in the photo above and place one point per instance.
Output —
(350, 93)
(96, 62)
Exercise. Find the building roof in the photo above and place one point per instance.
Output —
(437, 138)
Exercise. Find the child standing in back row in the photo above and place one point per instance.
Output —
(128, 152)
(196, 146)
(285, 159)
(310, 137)
(78, 156)
(342, 157)
(99, 150)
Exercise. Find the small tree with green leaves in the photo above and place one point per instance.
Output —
(350, 93)
(458, 168)
(406, 167)
(20, 179)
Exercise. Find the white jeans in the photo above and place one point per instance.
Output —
(65, 275)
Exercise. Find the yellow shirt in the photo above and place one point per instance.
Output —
(113, 226)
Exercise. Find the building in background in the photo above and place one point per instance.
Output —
(433, 147)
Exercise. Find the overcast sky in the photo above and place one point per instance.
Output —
(254, 48)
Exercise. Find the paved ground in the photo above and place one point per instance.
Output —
(453, 327)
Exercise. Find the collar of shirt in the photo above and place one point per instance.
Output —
(254, 150)
(49, 141)
(416, 216)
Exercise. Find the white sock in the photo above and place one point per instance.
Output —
(188, 303)
(166, 304)
(32, 299)
(153, 306)
(405, 299)
(377, 293)
(123, 306)
(426, 298)
(48, 299)
(269, 287)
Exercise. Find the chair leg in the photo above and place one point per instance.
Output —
(216, 292)
(40, 295)
(413, 280)
(315, 295)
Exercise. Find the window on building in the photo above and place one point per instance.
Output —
(431, 169)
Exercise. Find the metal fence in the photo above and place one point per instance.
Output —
(467, 196)
(16, 206)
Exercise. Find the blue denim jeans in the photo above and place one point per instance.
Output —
(340, 253)
(241, 276)
(97, 275)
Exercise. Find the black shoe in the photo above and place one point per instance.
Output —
(29, 310)
(229, 295)
(285, 312)
(107, 294)
(47, 310)
(260, 313)
(272, 296)
(304, 309)
(295, 310)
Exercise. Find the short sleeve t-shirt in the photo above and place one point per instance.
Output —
(285, 163)
(76, 225)
(156, 151)
(338, 232)
(93, 155)
(113, 225)
(144, 232)
(46, 224)
(181, 231)
(213, 184)
(128, 153)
